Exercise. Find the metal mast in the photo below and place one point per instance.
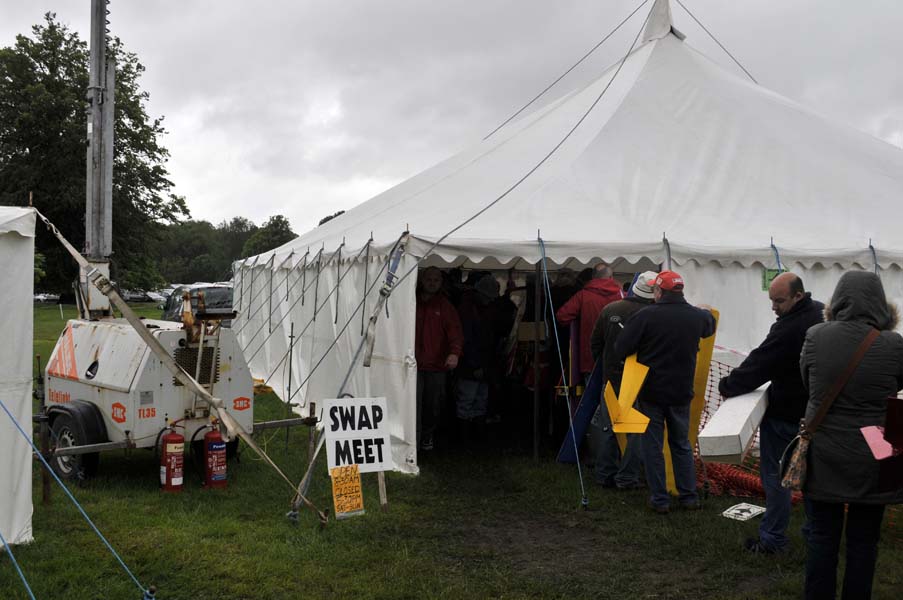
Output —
(99, 188)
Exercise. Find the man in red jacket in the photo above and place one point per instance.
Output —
(439, 342)
(585, 307)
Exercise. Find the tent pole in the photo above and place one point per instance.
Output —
(537, 325)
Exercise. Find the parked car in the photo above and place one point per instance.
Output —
(135, 296)
(42, 297)
(217, 300)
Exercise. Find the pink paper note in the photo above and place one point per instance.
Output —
(881, 448)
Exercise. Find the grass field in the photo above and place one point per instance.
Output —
(479, 523)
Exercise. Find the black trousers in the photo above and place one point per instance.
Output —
(826, 527)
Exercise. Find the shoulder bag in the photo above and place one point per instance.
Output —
(793, 461)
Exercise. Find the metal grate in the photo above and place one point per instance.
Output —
(187, 358)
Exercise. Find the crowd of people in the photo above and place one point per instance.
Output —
(846, 488)
(460, 328)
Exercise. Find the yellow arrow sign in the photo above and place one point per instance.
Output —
(625, 418)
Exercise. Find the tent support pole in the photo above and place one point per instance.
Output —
(251, 291)
(537, 330)
(383, 497)
(667, 246)
(777, 256)
(874, 256)
(270, 301)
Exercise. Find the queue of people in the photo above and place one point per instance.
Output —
(809, 345)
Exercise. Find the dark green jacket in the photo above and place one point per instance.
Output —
(605, 333)
(841, 467)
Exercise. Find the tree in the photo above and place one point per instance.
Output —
(329, 218)
(275, 232)
(234, 234)
(43, 79)
(40, 263)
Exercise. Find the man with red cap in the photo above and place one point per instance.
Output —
(665, 337)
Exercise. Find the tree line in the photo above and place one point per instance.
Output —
(43, 81)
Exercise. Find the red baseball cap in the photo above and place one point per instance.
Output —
(669, 281)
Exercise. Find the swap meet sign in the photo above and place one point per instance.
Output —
(357, 433)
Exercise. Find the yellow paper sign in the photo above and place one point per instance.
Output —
(624, 418)
(346, 491)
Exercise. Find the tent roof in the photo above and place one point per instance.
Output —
(20, 220)
(676, 146)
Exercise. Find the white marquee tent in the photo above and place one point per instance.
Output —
(667, 158)
(16, 288)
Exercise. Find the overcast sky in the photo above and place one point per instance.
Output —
(303, 108)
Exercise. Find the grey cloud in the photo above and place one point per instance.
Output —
(333, 99)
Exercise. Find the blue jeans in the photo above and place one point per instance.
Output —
(774, 435)
(611, 467)
(678, 420)
(863, 529)
(473, 399)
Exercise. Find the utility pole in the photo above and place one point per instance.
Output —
(99, 188)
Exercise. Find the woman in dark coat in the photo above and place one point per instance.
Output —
(841, 469)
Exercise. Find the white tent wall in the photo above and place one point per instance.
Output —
(16, 325)
(746, 315)
(664, 144)
(392, 372)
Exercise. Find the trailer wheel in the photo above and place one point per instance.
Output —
(68, 431)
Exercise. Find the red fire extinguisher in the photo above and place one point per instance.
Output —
(214, 459)
(172, 460)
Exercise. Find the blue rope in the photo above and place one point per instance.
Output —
(777, 256)
(545, 275)
(16, 564)
(71, 497)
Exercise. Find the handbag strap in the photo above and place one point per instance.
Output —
(841, 381)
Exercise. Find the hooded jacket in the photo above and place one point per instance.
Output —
(586, 305)
(437, 334)
(776, 360)
(841, 467)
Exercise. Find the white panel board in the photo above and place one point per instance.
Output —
(729, 433)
